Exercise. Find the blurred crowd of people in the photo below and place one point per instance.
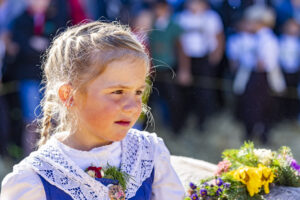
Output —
(197, 46)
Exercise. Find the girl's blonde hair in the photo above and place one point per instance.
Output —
(77, 56)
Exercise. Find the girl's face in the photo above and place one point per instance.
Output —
(112, 102)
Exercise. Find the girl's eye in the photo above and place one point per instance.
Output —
(118, 92)
(139, 92)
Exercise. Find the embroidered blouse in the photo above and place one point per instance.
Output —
(138, 154)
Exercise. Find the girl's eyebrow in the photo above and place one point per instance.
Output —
(125, 87)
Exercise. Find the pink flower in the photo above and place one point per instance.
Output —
(116, 192)
(223, 167)
(120, 194)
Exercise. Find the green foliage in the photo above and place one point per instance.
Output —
(243, 156)
(286, 176)
(115, 174)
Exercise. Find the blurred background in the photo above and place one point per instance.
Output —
(223, 71)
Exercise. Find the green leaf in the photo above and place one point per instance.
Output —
(114, 173)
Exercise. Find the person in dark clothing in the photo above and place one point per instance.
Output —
(265, 80)
(289, 45)
(202, 42)
(9, 9)
(168, 59)
(32, 31)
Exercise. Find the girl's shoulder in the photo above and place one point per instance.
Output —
(22, 183)
(147, 139)
(143, 136)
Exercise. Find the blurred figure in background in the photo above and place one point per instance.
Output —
(202, 43)
(96, 9)
(3, 107)
(177, 5)
(141, 26)
(231, 11)
(266, 80)
(32, 31)
(9, 9)
(286, 9)
(290, 63)
(168, 60)
(77, 11)
(241, 53)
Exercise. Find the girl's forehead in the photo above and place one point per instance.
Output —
(127, 72)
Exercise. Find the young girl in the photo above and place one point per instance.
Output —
(95, 76)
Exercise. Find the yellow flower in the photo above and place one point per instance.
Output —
(267, 177)
(250, 176)
(254, 178)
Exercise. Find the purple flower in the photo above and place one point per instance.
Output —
(193, 186)
(203, 192)
(227, 185)
(295, 165)
(219, 191)
(194, 197)
(219, 182)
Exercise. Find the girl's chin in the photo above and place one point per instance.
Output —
(119, 136)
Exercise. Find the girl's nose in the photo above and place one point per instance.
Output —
(131, 105)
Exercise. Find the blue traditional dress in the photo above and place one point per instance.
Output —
(62, 179)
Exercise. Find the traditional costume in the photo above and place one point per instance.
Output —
(56, 171)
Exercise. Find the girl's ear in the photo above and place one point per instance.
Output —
(65, 95)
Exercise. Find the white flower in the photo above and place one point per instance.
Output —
(264, 156)
(91, 173)
(102, 173)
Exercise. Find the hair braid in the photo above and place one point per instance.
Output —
(46, 123)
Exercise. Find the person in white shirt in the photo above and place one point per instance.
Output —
(241, 53)
(266, 79)
(202, 42)
(289, 58)
(241, 47)
(95, 77)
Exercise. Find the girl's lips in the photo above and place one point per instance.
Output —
(123, 123)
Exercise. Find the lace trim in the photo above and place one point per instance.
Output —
(53, 165)
(60, 171)
(137, 159)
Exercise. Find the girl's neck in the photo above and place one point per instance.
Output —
(75, 141)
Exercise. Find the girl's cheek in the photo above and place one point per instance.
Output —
(139, 108)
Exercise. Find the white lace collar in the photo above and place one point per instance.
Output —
(66, 148)
(53, 165)
(99, 156)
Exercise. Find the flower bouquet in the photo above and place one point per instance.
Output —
(247, 174)
(113, 178)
